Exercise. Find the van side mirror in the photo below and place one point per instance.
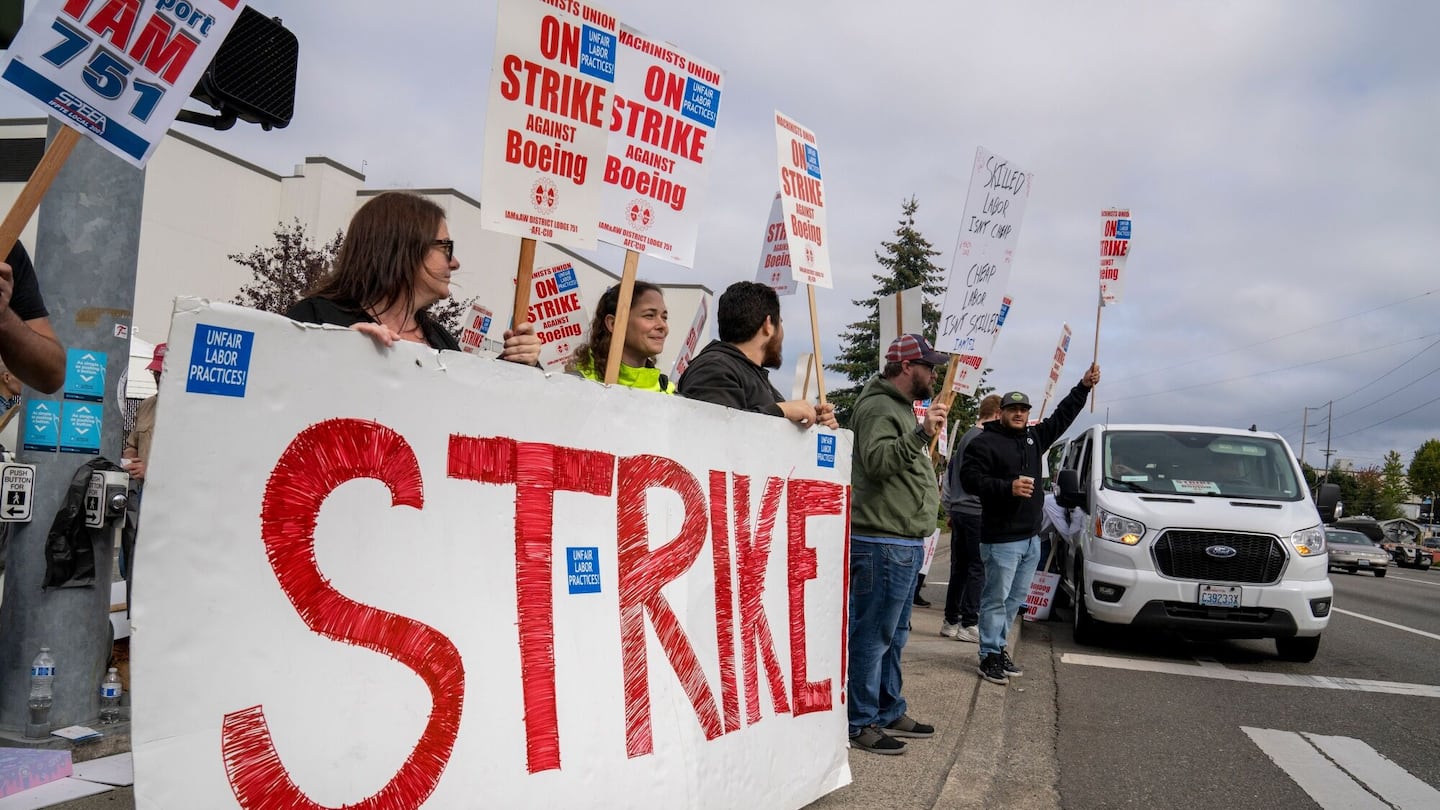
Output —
(1327, 500)
(1071, 495)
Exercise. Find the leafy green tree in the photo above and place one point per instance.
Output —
(281, 274)
(906, 262)
(1368, 483)
(1424, 473)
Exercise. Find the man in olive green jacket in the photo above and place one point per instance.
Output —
(892, 512)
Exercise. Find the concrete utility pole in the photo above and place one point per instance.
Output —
(1329, 414)
(86, 258)
(1304, 426)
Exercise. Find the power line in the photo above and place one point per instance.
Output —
(1391, 371)
(1383, 421)
(1279, 337)
(1269, 371)
(1392, 393)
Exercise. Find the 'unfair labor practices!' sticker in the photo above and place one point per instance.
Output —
(584, 573)
(825, 450)
(219, 361)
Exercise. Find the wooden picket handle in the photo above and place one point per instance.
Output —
(1099, 308)
(815, 337)
(947, 398)
(622, 318)
(524, 269)
(34, 191)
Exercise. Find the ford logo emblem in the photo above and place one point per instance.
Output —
(1221, 552)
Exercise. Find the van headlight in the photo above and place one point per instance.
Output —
(1117, 529)
(1309, 542)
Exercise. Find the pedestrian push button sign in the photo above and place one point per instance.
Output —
(219, 361)
(17, 491)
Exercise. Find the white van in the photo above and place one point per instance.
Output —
(1206, 531)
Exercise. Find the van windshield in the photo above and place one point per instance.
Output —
(1199, 464)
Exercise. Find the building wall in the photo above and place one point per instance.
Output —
(201, 205)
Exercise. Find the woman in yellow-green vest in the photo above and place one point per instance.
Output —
(644, 340)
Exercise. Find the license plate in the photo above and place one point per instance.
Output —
(1364, 563)
(1223, 596)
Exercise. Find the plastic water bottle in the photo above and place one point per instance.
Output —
(110, 698)
(42, 687)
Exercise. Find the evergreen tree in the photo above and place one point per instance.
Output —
(283, 272)
(906, 262)
(1392, 487)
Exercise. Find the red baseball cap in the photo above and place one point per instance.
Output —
(158, 360)
(914, 347)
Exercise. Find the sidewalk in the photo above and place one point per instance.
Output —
(980, 756)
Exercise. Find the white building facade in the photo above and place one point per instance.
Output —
(190, 228)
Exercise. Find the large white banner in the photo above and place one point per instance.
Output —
(802, 197)
(548, 119)
(774, 266)
(974, 295)
(400, 578)
(662, 126)
(117, 70)
(1114, 250)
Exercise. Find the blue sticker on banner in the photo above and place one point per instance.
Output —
(219, 361)
(85, 375)
(597, 53)
(584, 569)
(812, 161)
(42, 425)
(1122, 229)
(80, 428)
(701, 103)
(825, 450)
(565, 280)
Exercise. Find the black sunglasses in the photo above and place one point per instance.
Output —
(447, 246)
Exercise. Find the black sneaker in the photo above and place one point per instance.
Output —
(992, 670)
(1011, 668)
(875, 741)
(905, 726)
(921, 601)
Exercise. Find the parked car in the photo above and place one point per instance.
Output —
(1432, 545)
(1395, 536)
(1352, 552)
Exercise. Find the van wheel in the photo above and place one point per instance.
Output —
(1084, 625)
(1300, 649)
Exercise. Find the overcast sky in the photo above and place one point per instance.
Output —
(1279, 159)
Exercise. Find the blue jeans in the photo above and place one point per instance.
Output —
(882, 587)
(1009, 567)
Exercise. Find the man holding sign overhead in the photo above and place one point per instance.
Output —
(894, 509)
(1001, 466)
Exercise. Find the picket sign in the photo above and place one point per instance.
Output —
(387, 579)
(1041, 596)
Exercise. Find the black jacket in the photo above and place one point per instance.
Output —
(343, 313)
(722, 374)
(999, 455)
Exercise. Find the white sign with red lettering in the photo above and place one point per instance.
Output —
(1114, 250)
(802, 198)
(547, 122)
(557, 313)
(117, 71)
(994, 209)
(692, 340)
(969, 366)
(1057, 363)
(661, 128)
(774, 268)
(440, 580)
(476, 335)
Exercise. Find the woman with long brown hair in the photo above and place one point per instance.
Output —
(396, 261)
(645, 334)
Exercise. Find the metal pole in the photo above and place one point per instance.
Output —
(1304, 425)
(86, 256)
(1329, 414)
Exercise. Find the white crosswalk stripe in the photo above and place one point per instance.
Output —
(1336, 772)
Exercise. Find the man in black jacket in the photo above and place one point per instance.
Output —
(731, 371)
(1001, 466)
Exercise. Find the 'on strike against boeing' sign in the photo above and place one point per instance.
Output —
(541, 590)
